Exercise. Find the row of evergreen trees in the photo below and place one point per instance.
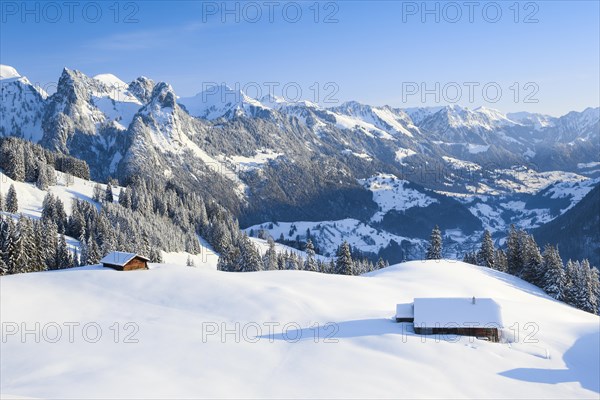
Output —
(245, 257)
(575, 283)
(24, 161)
(32, 245)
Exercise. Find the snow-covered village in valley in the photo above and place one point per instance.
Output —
(314, 200)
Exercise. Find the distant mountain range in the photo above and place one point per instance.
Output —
(577, 231)
(272, 160)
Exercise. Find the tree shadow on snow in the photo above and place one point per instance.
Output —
(583, 366)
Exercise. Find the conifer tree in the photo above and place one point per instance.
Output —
(532, 262)
(270, 257)
(250, 257)
(554, 280)
(3, 267)
(49, 244)
(571, 282)
(43, 181)
(485, 256)
(4, 237)
(16, 253)
(589, 301)
(514, 251)
(434, 250)
(108, 197)
(310, 264)
(500, 261)
(98, 196)
(12, 203)
(595, 289)
(63, 255)
(344, 264)
(125, 198)
(94, 255)
(280, 261)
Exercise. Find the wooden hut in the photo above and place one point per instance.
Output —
(478, 317)
(124, 261)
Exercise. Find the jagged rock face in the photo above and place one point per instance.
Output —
(86, 118)
(142, 88)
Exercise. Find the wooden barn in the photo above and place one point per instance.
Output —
(124, 261)
(478, 317)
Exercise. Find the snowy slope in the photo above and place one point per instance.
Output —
(362, 354)
(21, 106)
(391, 193)
(68, 188)
(30, 198)
(382, 121)
(328, 235)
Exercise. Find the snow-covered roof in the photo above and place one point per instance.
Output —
(404, 310)
(120, 258)
(457, 311)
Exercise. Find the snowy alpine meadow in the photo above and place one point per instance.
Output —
(299, 200)
(182, 332)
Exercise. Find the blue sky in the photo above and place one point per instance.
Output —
(373, 52)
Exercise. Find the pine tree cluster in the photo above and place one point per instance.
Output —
(31, 246)
(243, 257)
(576, 283)
(24, 161)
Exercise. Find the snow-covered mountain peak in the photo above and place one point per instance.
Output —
(385, 122)
(142, 88)
(163, 95)
(272, 101)
(8, 72)
(537, 121)
(21, 105)
(459, 117)
(418, 114)
(221, 101)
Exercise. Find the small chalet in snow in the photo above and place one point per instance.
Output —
(124, 261)
(478, 317)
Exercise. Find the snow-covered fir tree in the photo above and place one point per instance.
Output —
(250, 259)
(500, 260)
(12, 203)
(344, 264)
(63, 255)
(310, 264)
(434, 249)
(485, 256)
(531, 270)
(42, 181)
(270, 257)
(554, 279)
(108, 196)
